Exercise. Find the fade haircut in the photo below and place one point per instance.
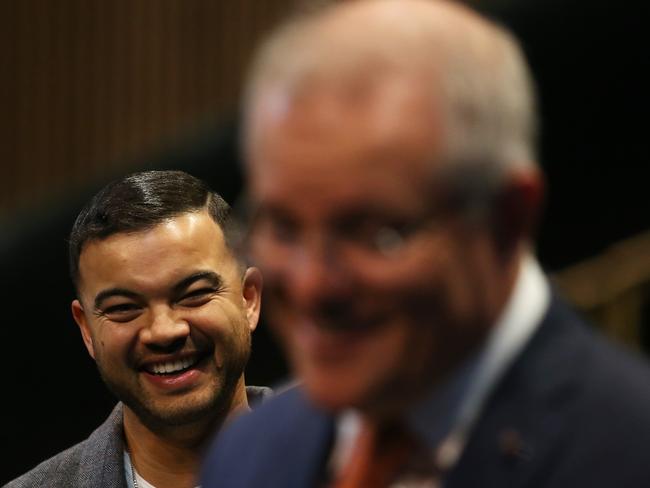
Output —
(139, 202)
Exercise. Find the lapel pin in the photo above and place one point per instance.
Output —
(512, 445)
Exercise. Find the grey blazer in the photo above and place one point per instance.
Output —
(98, 461)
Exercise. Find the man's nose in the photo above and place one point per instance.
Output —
(165, 329)
(317, 275)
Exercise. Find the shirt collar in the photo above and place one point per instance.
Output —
(459, 401)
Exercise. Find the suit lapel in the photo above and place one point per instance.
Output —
(519, 429)
(303, 448)
(101, 463)
(311, 451)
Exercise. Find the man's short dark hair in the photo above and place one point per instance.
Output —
(139, 202)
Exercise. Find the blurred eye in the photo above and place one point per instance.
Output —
(122, 312)
(196, 298)
(388, 240)
(276, 227)
(283, 231)
(375, 236)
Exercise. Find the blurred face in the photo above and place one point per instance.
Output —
(375, 286)
(167, 317)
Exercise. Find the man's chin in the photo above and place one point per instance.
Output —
(160, 412)
(331, 395)
(175, 415)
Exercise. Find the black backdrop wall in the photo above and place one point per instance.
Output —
(591, 63)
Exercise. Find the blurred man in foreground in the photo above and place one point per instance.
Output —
(394, 183)
(166, 311)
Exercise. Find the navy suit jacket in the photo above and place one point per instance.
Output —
(572, 411)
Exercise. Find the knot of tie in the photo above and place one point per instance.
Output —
(381, 454)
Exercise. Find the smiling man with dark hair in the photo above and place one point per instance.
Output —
(166, 311)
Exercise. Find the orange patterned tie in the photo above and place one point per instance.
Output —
(377, 458)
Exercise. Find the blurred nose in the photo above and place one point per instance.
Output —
(165, 330)
(316, 276)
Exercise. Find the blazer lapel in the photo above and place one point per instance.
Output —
(302, 450)
(101, 463)
(311, 451)
(519, 429)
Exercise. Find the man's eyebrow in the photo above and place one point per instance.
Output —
(112, 292)
(210, 276)
(269, 210)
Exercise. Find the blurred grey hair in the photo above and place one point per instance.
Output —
(478, 74)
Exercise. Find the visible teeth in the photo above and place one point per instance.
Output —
(171, 366)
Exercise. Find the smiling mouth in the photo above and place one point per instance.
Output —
(348, 325)
(177, 366)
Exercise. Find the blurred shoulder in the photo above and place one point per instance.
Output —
(253, 449)
(271, 411)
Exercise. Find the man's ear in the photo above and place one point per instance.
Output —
(252, 296)
(80, 318)
(517, 210)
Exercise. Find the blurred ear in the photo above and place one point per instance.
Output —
(517, 210)
(80, 318)
(252, 295)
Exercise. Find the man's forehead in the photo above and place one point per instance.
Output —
(371, 110)
(157, 257)
(191, 235)
(346, 146)
(175, 227)
(362, 87)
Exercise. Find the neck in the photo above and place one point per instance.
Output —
(464, 339)
(170, 456)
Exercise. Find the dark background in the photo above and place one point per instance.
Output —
(591, 63)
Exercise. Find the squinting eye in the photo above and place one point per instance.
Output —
(197, 298)
(124, 312)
